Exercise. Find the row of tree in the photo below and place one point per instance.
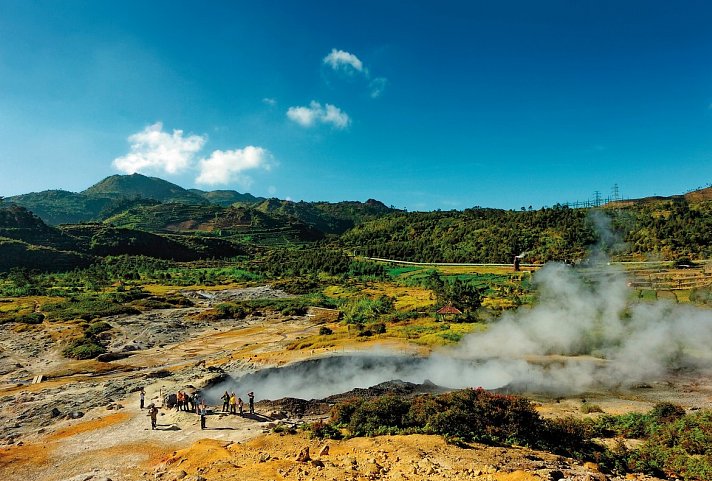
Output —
(666, 230)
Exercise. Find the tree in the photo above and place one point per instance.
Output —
(466, 297)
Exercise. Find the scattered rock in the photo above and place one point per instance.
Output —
(303, 455)
(55, 412)
(324, 451)
(264, 457)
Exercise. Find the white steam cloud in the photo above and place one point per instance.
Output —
(602, 339)
(583, 333)
(153, 150)
(318, 114)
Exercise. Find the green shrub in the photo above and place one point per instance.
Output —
(342, 412)
(231, 311)
(322, 430)
(86, 307)
(96, 328)
(83, 348)
(666, 412)
(381, 415)
(379, 328)
(567, 436)
(325, 331)
(152, 303)
(588, 408)
(294, 311)
(365, 309)
(479, 415)
(31, 318)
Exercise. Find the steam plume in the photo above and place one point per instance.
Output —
(582, 333)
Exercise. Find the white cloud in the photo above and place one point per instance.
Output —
(316, 113)
(304, 116)
(152, 149)
(377, 86)
(269, 101)
(335, 116)
(223, 167)
(340, 59)
(348, 63)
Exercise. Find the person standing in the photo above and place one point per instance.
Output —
(251, 397)
(142, 398)
(226, 402)
(153, 414)
(240, 405)
(233, 403)
(202, 410)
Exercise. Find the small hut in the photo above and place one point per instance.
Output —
(448, 312)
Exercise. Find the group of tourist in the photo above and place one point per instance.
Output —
(233, 404)
(184, 401)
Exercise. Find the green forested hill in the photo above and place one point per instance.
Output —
(20, 224)
(137, 185)
(26, 241)
(18, 254)
(330, 218)
(245, 223)
(127, 221)
(103, 240)
(226, 198)
(60, 206)
(475, 235)
(665, 229)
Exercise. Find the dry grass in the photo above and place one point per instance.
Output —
(405, 298)
(499, 270)
(498, 303)
(25, 305)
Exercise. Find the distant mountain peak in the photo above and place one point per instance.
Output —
(139, 185)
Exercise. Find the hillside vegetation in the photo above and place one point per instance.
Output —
(139, 215)
(662, 230)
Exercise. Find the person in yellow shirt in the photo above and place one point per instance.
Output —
(233, 403)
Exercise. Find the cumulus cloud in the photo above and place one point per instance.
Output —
(342, 60)
(223, 167)
(316, 113)
(269, 101)
(349, 64)
(152, 149)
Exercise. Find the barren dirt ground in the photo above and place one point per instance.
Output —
(83, 421)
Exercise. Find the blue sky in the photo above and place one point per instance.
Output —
(422, 105)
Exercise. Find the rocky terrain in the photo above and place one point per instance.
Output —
(64, 419)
